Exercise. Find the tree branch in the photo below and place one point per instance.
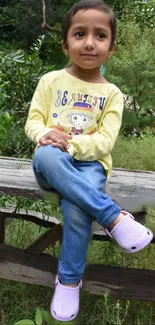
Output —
(44, 12)
(51, 29)
(44, 24)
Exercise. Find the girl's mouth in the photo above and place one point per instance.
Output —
(91, 55)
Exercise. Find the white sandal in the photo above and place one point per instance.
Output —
(65, 302)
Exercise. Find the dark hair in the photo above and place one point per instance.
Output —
(89, 4)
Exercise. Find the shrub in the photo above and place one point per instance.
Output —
(132, 68)
(19, 76)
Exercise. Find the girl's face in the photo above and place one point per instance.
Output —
(89, 39)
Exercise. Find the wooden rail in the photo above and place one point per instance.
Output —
(133, 190)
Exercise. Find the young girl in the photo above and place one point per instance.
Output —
(74, 119)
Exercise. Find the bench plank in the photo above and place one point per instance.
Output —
(48, 221)
(132, 190)
(41, 269)
(32, 216)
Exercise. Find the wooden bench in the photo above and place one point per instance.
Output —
(134, 190)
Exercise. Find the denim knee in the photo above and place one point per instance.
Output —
(48, 157)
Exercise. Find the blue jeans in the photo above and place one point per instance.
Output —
(81, 185)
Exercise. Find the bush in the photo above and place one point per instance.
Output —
(19, 76)
(51, 51)
(21, 20)
(13, 140)
(132, 68)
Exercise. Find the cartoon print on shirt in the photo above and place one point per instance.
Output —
(58, 100)
(79, 121)
(77, 118)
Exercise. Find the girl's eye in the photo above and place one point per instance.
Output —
(79, 34)
(100, 35)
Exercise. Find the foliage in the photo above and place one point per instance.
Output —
(20, 72)
(120, 5)
(42, 317)
(140, 11)
(21, 20)
(51, 51)
(3, 95)
(13, 141)
(143, 12)
(19, 76)
(131, 68)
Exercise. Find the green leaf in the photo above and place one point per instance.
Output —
(38, 318)
(50, 320)
(45, 315)
(25, 322)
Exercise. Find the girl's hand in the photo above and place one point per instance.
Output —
(57, 139)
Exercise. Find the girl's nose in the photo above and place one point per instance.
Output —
(89, 43)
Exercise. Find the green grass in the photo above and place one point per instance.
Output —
(19, 301)
(135, 153)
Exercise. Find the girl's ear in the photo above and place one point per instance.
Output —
(112, 50)
(64, 47)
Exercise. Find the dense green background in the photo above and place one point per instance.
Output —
(27, 51)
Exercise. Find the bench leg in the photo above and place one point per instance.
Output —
(50, 237)
(2, 230)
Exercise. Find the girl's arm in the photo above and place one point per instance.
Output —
(35, 126)
(96, 146)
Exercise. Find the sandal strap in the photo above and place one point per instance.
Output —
(126, 214)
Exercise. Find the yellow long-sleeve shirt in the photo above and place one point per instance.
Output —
(90, 112)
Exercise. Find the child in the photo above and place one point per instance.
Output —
(74, 119)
